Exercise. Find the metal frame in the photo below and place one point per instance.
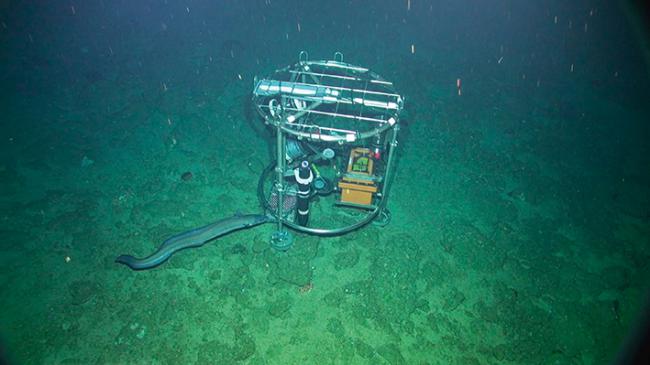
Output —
(297, 98)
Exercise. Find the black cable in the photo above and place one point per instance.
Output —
(319, 232)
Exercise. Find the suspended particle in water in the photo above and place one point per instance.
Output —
(73, 11)
(412, 48)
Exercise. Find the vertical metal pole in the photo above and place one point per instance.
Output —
(389, 165)
(279, 169)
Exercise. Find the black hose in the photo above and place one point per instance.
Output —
(314, 231)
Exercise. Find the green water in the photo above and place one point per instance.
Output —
(520, 208)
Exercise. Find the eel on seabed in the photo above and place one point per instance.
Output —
(194, 238)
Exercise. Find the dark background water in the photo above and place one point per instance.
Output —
(539, 39)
